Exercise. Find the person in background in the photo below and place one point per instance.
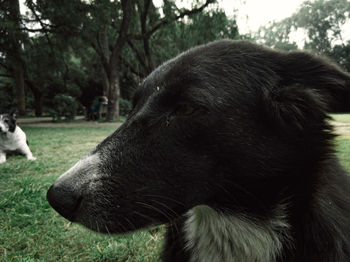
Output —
(98, 108)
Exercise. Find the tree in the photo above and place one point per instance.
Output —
(322, 22)
(80, 45)
(277, 35)
(52, 69)
(148, 27)
(173, 38)
(105, 26)
(150, 23)
(11, 48)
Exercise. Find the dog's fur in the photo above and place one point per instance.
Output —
(229, 143)
(12, 138)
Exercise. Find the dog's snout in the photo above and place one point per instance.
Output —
(64, 200)
(66, 194)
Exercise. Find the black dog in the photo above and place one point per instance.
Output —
(229, 143)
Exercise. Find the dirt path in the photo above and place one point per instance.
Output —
(78, 122)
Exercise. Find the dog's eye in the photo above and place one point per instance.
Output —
(184, 110)
(6, 121)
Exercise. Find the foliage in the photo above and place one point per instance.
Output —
(64, 106)
(277, 35)
(125, 107)
(10, 48)
(79, 48)
(6, 95)
(322, 22)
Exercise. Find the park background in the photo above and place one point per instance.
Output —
(57, 57)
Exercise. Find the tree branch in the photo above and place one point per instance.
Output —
(8, 68)
(32, 9)
(137, 73)
(123, 32)
(6, 75)
(166, 21)
(137, 53)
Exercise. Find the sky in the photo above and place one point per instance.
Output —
(252, 13)
(255, 13)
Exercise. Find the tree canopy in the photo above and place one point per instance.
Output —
(322, 22)
(90, 48)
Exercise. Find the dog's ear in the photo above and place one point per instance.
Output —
(310, 72)
(308, 87)
(294, 109)
(13, 114)
(12, 123)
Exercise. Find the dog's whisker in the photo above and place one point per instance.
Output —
(165, 206)
(98, 228)
(144, 216)
(164, 197)
(107, 230)
(121, 225)
(130, 223)
(154, 209)
(238, 187)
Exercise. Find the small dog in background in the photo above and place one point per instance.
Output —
(12, 138)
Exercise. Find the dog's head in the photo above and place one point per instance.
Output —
(8, 122)
(227, 125)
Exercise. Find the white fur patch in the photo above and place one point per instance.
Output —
(215, 237)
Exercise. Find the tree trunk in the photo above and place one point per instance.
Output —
(114, 62)
(14, 54)
(113, 96)
(38, 103)
(105, 83)
(105, 53)
(18, 73)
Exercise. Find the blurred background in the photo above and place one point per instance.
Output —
(86, 57)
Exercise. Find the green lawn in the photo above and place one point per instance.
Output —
(30, 230)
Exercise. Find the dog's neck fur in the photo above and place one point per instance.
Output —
(212, 236)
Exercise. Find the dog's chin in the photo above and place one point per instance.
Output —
(105, 228)
(116, 225)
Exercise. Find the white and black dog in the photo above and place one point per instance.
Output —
(229, 144)
(12, 138)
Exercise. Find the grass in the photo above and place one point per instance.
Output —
(30, 230)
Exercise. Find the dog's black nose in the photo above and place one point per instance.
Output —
(64, 200)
